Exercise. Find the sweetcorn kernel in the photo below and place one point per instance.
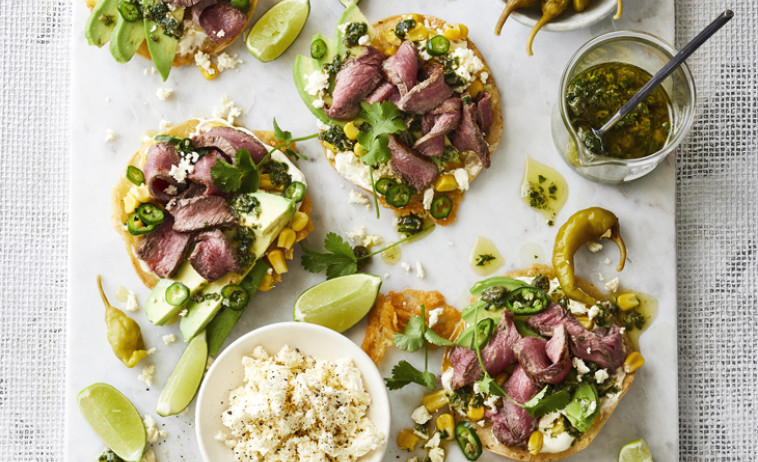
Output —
(475, 413)
(391, 37)
(446, 424)
(535, 442)
(436, 400)
(588, 323)
(299, 221)
(390, 50)
(628, 301)
(446, 183)
(276, 258)
(407, 439)
(130, 203)
(351, 131)
(286, 239)
(141, 193)
(475, 88)
(633, 362)
(359, 149)
(418, 33)
(210, 73)
(267, 283)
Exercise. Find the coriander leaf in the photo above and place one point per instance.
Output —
(335, 244)
(435, 339)
(488, 386)
(412, 337)
(249, 180)
(341, 269)
(338, 261)
(284, 140)
(378, 151)
(404, 373)
(544, 403)
(383, 117)
(226, 176)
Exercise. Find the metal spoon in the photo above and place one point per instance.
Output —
(665, 71)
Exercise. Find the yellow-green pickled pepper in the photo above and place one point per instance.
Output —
(510, 6)
(582, 227)
(551, 9)
(581, 5)
(124, 334)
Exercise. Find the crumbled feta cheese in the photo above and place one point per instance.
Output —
(594, 247)
(291, 404)
(228, 110)
(164, 125)
(593, 312)
(447, 380)
(169, 339)
(151, 351)
(203, 61)
(468, 64)
(428, 198)
(477, 388)
(221, 33)
(434, 316)
(462, 178)
(580, 367)
(151, 429)
(372, 239)
(318, 82)
(491, 402)
(601, 375)
(110, 135)
(434, 441)
(356, 235)
(405, 266)
(592, 406)
(183, 313)
(420, 273)
(612, 285)
(179, 172)
(164, 94)
(318, 103)
(192, 38)
(226, 61)
(600, 277)
(364, 40)
(420, 415)
(131, 302)
(607, 261)
(484, 76)
(386, 276)
(358, 198)
(437, 455)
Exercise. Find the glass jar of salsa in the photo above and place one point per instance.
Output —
(601, 76)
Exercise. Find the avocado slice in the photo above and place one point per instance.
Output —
(329, 55)
(101, 22)
(275, 212)
(157, 309)
(351, 14)
(301, 69)
(126, 39)
(583, 408)
(162, 47)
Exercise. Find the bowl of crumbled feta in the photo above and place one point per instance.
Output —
(292, 391)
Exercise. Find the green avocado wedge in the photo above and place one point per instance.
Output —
(351, 14)
(301, 69)
(162, 47)
(101, 22)
(126, 39)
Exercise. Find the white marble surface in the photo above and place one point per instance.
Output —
(492, 209)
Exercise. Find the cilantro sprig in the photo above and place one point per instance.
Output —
(415, 335)
(383, 119)
(340, 259)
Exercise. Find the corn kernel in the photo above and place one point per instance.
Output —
(446, 183)
(586, 322)
(633, 362)
(628, 301)
(446, 424)
(359, 149)
(391, 37)
(464, 31)
(351, 131)
(329, 146)
(299, 221)
(276, 258)
(267, 283)
(211, 73)
(407, 439)
(418, 33)
(265, 182)
(535, 442)
(452, 32)
(141, 193)
(501, 378)
(475, 88)
(130, 203)
(436, 400)
(390, 50)
(475, 413)
(286, 239)
(413, 16)
(559, 427)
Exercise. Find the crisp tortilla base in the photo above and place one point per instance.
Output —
(490, 443)
(208, 46)
(123, 186)
(493, 137)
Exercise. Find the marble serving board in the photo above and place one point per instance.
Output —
(122, 98)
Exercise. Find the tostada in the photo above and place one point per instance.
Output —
(407, 109)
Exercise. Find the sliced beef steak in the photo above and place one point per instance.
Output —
(436, 124)
(200, 212)
(213, 255)
(545, 361)
(402, 68)
(418, 173)
(357, 78)
(469, 137)
(484, 111)
(230, 140)
(428, 94)
(201, 174)
(160, 158)
(184, 3)
(164, 249)
(221, 21)
(600, 345)
(385, 92)
(496, 355)
(513, 425)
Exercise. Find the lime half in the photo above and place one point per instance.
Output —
(185, 379)
(636, 451)
(338, 303)
(115, 420)
(277, 29)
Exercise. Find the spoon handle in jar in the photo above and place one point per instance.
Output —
(666, 70)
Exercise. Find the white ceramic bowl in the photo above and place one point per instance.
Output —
(569, 19)
(227, 373)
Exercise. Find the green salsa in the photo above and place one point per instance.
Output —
(596, 94)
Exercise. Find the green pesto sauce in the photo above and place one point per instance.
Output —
(595, 95)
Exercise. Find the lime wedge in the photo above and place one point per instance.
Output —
(115, 420)
(185, 379)
(277, 29)
(636, 451)
(338, 303)
(347, 3)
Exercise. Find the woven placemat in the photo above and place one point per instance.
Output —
(717, 218)
(717, 247)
